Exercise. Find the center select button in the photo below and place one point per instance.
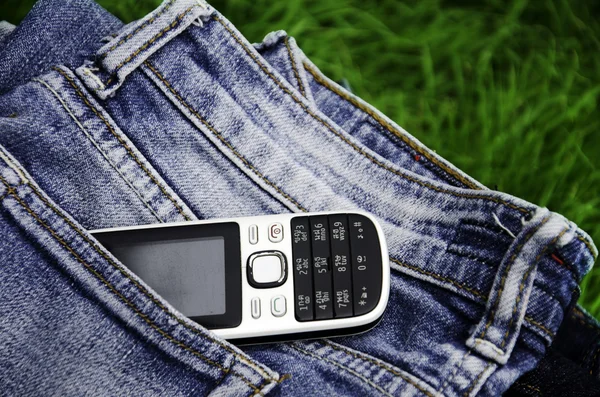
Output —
(267, 269)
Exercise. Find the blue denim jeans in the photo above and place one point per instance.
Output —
(178, 117)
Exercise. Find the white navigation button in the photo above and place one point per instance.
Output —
(278, 305)
(267, 269)
(255, 307)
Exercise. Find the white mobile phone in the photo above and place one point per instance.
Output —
(264, 278)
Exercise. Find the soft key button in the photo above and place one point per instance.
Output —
(253, 234)
(267, 269)
(255, 307)
(278, 305)
(275, 232)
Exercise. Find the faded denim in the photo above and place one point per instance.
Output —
(179, 117)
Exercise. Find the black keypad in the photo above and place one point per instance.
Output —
(337, 266)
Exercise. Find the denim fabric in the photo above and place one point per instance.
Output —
(578, 339)
(54, 32)
(179, 117)
(556, 375)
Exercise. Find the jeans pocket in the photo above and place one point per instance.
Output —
(98, 327)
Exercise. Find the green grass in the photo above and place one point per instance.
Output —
(506, 90)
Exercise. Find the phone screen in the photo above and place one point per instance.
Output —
(188, 273)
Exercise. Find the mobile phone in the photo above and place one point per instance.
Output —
(264, 278)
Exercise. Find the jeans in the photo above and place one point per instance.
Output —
(178, 117)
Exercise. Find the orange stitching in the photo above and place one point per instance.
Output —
(380, 365)
(319, 79)
(144, 317)
(122, 142)
(354, 146)
(506, 271)
(222, 139)
(259, 389)
(138, 29)
(141, 288)
(588, 245)
(466, 394)
(294, 67)
(152, 40)
(522, 284)
(540, 326)
(284, 377)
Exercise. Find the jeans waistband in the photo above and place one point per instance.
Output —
(482, 244)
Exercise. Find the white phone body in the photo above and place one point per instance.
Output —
(266, 308)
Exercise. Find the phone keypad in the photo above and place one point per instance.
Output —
(337, 266)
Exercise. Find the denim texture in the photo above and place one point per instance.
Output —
(178, 117)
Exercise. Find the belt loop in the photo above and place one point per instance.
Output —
(138, 41)
(497, 332)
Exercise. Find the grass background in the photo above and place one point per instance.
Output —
(506, 90)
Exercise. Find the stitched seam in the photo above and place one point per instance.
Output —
(138, 29)
(294, 67)
(222, 139)
(466, 394)
(524, 279)
(149, 42)
(142, 289)
(530, 320)
(10, 190)
(506, 271)
(456, 368)
(475, 292)
(258, 390)
(122, 142)
(390, 128)
(349, 370)
(114, 166)
(144, 317)
(380, 365)
(588, 245)
(354, 146)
